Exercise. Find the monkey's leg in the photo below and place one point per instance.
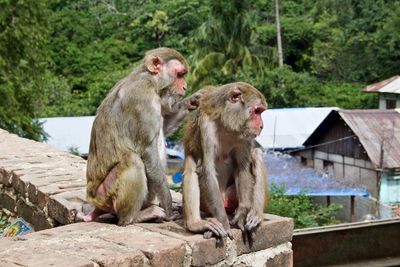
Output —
(93, 215)
(191, 205)
(131, 192)
(156, 179)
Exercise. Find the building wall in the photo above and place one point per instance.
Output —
(387, 96)
(347, 170)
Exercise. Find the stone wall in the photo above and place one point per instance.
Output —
(43, 185)
(46, 187)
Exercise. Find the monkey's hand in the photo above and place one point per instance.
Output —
(246, 219)
(192, 102)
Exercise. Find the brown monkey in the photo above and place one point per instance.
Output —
(126, 162)
(224, 170)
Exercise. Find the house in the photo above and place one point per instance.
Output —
(360, 148)
(288, 128)
(389, 92)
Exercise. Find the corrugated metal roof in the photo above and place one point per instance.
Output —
(374, 128)
(391, 85)
(290, 127)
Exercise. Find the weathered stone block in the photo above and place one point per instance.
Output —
(5, 177)
(8, 201)
(65, 206)
(161, 250)
(204, 251)
(273, 231)
(281, 260)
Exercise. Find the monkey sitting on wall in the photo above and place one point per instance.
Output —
(223, 171)
(126, 162)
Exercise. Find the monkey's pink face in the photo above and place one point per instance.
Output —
(177, 71)
(255, 122)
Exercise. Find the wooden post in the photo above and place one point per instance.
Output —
(352, 209)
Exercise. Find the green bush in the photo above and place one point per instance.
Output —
(300, 208)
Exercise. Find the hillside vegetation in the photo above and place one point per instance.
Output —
(60, 58)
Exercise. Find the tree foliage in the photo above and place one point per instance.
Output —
(23, 38)
(61, 57)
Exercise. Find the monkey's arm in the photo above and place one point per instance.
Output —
(191, 204)
(173, 119)
(209, 187)
(247, 216)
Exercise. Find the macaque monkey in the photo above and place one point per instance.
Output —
(224, 172)
(127, 156)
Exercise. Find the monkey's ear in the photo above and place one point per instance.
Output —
(154, 64)
(235, 96)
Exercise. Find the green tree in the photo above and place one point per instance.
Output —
(224, 44)
(23, 39)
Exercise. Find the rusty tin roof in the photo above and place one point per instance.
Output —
(377, 130)
(391, 85)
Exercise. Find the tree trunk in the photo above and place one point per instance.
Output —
(278, 34)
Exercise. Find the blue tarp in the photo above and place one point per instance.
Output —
(298, 179)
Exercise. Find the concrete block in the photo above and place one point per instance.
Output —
(369, 165)
(335, 158)
(352, 175)
(319, 165)
(359, 163)
(338, 170)
(348, 161)
(320, 155)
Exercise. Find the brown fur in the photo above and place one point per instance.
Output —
(125, 167)
(221, 156)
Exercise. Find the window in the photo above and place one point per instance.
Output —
(390, 103)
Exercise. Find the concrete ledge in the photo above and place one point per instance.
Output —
(43, 185)
(46, 187)
(166, 244)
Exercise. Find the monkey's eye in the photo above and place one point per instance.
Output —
(259, 110)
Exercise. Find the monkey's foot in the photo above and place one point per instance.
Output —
(213, 227)
(93, 215)
(152, 213)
